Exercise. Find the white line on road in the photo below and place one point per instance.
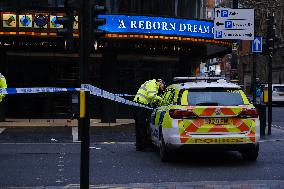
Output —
(65, 143)
(277, 126)
(2, 129)
(75, 134)
(96, 148)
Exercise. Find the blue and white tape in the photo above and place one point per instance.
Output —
(124, 95)
(44, 90)
(114, 97)
(34, 90)
(87, 87)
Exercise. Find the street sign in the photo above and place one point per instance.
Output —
(234, 24)
(256, 45)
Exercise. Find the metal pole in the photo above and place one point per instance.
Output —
(234, 60)
(84, 79)
(269, 93)
(70, 15)
(70, 42)
(271, 46)
(254, 78)
(235, 4)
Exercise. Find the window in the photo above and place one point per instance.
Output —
(213, 97)
(170, 8)
(56, 3)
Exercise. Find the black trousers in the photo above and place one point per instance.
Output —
(142, 123)
(2, 110)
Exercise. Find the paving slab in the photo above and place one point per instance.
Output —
(252, 184)
(59, 122)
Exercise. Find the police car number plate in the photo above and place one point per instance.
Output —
(216, 121)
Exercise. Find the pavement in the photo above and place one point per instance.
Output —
(58, 122)
(251, 184)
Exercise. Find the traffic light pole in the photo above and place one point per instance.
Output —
(253, 78)
(84, 121)
(235, 4)
(271, 33)
(269, 93)
(70, 41)
(234, 60)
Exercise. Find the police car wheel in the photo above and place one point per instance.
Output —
(164, 154)
(251, 153)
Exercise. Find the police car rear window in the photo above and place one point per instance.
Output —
(214, 97)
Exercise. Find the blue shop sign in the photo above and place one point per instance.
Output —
(157, 25)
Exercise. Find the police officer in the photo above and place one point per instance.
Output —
(146, 95)
(3, 84)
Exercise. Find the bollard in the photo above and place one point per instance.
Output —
(261, 109)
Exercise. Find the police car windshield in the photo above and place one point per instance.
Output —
(214, 97)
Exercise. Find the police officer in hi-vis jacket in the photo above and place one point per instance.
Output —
(3, 84)
(146, 95)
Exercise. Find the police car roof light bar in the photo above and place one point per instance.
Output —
(187, 79)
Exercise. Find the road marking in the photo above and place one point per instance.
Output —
(60, 165)
(2, 129)
(39, 143)
(278, 127)
(96, 148)
(63, 143)
(75, 134)
(194, 184)
(114, 142)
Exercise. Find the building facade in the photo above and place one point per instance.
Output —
(262, 59)
(144, 40)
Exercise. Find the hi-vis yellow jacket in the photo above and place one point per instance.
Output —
(147, 93)
(3, 84)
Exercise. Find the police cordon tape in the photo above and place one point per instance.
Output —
(113, 97)
(43, 90)
(34, 90)
(86, 87)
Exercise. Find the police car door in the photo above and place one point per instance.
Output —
(158, 115)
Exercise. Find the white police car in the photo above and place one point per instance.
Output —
(205, 112)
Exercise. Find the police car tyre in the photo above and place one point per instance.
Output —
(251, 153)
(164, 154)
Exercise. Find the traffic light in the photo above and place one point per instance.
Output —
(97, 9)
(67, 30)
(270, 35)
(270, 32)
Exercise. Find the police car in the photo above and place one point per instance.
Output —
(205, 111)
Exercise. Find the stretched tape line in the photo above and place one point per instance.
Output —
(87, 87)
(105, 94)
(34, 90)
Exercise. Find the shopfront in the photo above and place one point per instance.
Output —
(135, 48)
